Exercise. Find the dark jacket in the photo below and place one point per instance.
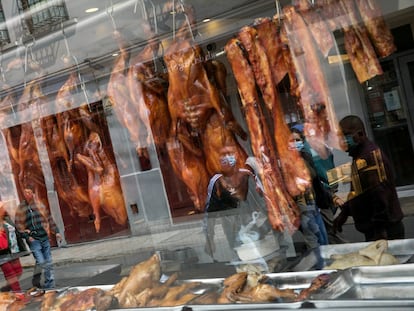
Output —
(376, 203)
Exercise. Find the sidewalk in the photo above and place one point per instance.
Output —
(173, 237)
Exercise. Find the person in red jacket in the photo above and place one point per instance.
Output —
(12, 269)
(373, 202)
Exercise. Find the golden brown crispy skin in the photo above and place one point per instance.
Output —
(379, 33)
(266, 293)
(192, 171)
(214, 138)
(104, 184)
(282, 210)
(140, 276)
(147, 94)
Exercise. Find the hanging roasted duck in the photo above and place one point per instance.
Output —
(192, 96)
(67, 186)
(120, 98)
(282, 210)
(104, 187)
(147, 94)
(293, 168)
(191, 170)
(320, 127)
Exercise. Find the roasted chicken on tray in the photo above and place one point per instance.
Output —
(143, 288)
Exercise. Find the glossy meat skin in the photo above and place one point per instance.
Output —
(321, 127)
(215, 137)
(294, 170)
(141, 276)
(119, 95)
(191, 95)
(317, 26)
(282, 211)
(147, 94)
(359, 48)
(191, 169)
(269, 38)
(379, 33)
(67, 187)
(103, 182)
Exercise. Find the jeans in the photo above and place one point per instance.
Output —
(43, 256)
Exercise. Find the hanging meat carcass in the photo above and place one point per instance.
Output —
(191, 169)
(282, 210)
(192, 96)
(342, 14)
(215, 137)
(379, 33)
(321, 127)
(294, 171)
(104, 185)
(147, 94)
(67, 187)
(119, 96)
(317, 26)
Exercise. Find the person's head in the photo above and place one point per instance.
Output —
(297, 140)
(28, 194)
(353, 130)
(228, 158)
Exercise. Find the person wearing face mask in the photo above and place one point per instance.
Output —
(227, 199)
(373, 202)
(312, 226)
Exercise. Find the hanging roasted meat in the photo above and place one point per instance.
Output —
(379, 33)
(343, 14)
(69, 122)
(147, 94)
(68, 189)
(294, 171)
(269, 38)
(119, 96)
(359, 48)
(192, 95)
(191, 169)
(282, 210)
(317, 26)
(103, 182)
(215, 137)
(320, 127)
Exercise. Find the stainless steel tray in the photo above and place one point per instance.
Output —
(382, 288)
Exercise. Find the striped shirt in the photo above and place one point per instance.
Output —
(29, 217)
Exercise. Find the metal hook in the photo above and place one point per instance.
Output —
(154, 14)
(278, 11)
(187, 19)
(110, 13)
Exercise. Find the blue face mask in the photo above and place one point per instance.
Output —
(228, 160)
(349, 139)
(299, 145)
